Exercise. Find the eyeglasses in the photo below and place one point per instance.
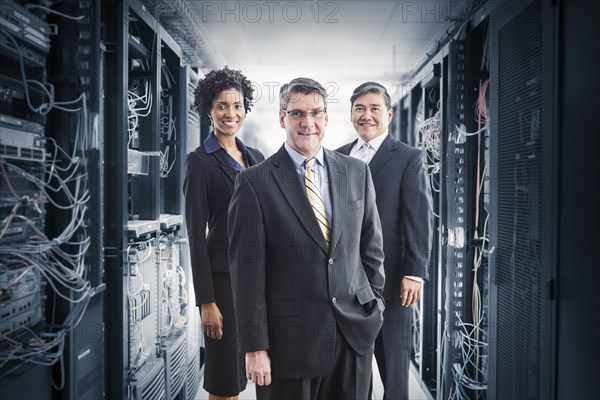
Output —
(300, 115)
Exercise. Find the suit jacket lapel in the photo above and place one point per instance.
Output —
(286, 177)
(251, 159)
(225, 165)
(338, 188)
(346, 149)
(382, 155)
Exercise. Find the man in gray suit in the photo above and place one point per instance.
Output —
(306, 256)
(405, 207)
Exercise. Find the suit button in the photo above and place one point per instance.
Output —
(334, 300)
(331, 261)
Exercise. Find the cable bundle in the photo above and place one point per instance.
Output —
(59, 260)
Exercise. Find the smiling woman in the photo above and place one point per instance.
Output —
(223, 96)
(227, 113)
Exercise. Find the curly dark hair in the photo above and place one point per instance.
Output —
(215, 82)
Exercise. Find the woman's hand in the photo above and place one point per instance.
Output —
(212, 321)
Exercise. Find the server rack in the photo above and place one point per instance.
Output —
(523, 227)
(75, 67)
(195, 343)
(149, 271)
(51, 155)
(578, 253)
(114, 39)
(430, 137)
(498, 214)
(465, 269)
(440, 115)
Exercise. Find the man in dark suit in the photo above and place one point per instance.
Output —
(306, 257)
(405, 207)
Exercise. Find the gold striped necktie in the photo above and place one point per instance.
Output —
(314, 197)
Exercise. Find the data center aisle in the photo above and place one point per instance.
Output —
(415, 391)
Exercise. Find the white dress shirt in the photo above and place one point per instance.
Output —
(366, 153)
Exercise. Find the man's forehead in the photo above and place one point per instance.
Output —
(374, 99)
(314, 100)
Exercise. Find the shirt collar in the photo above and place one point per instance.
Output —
(299, 159)
(211, 144)
(375, 143)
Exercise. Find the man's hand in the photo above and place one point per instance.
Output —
(258, 368)
(212, 321)
(411, 291)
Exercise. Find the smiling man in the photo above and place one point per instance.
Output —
(306, 257)
(405, 207)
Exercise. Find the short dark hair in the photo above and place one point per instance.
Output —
(215, 82)
(372, 87)
(300, 85)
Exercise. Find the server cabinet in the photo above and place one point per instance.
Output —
(447, 114)
(523, 224)
(195, 343)
(51, 276)
(75, 69)
(430, 133)
(577, 297)
(148, 275)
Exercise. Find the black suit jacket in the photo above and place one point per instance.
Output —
(208, 187)
(405, 207)
(291, 291)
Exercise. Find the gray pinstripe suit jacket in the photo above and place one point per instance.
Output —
(290, 290)
(405, 207)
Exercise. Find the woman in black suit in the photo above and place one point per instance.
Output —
(224, 96)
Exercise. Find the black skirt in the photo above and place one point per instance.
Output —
(224, 370)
